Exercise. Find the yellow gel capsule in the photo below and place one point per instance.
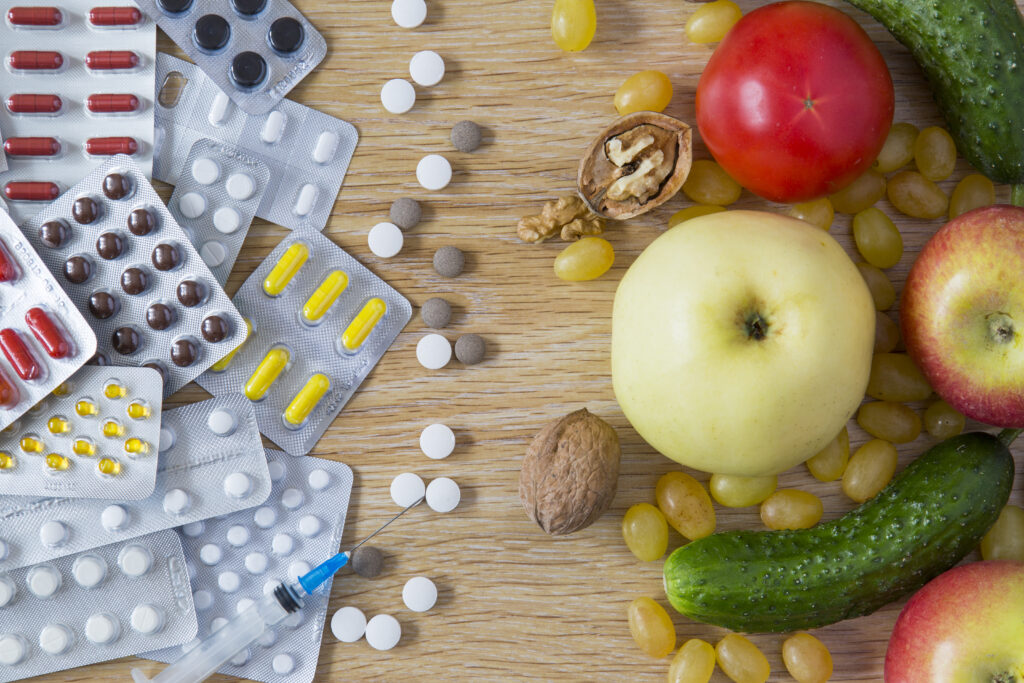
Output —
(62, 389)
(86, 408)
(83, 447)
(31, 444)
(284, 270)
(6, 461)
(136, 446)
(114, 390)
(362, 325)
(58, 425)
(138, 410)
(266, 373)
(222, 364)
(113, 429)
(320, 301)
(57, 462)
(108, 467)
(305, 402)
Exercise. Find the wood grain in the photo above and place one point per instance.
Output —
(515, 604)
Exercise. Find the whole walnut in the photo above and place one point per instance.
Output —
(570, 473)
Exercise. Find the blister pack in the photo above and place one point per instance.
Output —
(241, 557)
(43, 337)
(95, 436)
(206, 470)
(132, 271)
(215, 201)
(306, 151)
(106, 603)
(78, 87)
(320, 322)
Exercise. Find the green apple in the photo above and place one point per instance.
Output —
(741, 342)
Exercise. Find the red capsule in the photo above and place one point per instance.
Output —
(106, 146)
(8, 393)
(108, 104)
(33, 60)
(111, 60)
(114, 16)
(32, 147)
(31, 191)
(34, 104)
(8, 266)
(48, 333)
(18, 355)
(34, 16)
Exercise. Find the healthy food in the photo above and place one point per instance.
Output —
(935, 153)
(942, 420)
(815, 211)
(740, 660)
(860, 194)
(962, 314)
(686, 505)
(830, 462)
(927, 519)
(645, 532)
(573, 24)
(795, 102)
(895, 377)
(693, 663)
(898, 150)
(651, 627)
(568, 216)
(708, 183)
(869, 471)
(1005, 540)
(570, 473)
(712, 21)
(972, 192)
(738, 491)
(916, 196)
(877, 238)
(645, 91)
(771, 303)
(887, 334)
(883, 294)
(890, 421)
(807, 659)
(587, 259)
(963, 626)
(791, 509)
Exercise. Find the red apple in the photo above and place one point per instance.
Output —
(962, 314)
(967, 625)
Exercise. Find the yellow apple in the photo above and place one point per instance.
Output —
(741, 342)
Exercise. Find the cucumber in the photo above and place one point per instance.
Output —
(972, 52)
(925, 521)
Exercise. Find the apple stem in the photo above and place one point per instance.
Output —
(1008, 435)
(1017, 194)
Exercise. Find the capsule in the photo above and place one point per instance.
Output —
(222, 364)
(138, 410)
(108, 467)
(109, 146)
(136, 446)
(112, 429)
(107, 103)
(19, 355)
(28, 103)
(32, 147)
(86, 408)
(111, 60)
(320, 301)
(83, 446)
(31, 191)
(8, 266)
(57, 462)
(31, 444)
(266, 373)
(34, 16)
(113, 390)
(293, 258)
(58, 425)
(9, 396)
(48, 333)
(114, 16)
(7, 461)
(363, 324)
(306, 401)
(35, 60)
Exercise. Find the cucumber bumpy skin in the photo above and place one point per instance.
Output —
(972, 52)
(924, 522)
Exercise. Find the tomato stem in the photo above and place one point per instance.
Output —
(1017, 194)
(1008, 435)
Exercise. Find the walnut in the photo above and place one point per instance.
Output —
(570, 473)
(568, 215)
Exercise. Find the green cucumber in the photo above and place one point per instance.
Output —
(972, 52)
(925, 521)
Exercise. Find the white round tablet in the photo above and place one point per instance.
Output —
(385, 240)
(53, 534)
(55, 639)
(292, 499)
(268, 638)
(309, 526)
(134, 560)
(241, 658)
(229, 582)
(437, 441)
(278, 470)
(7, 590)
(114, 518)
(222, 421)
(205, 170)
(293, 620)
(398, 96)
(433, 351)
(348, 624)
(194, 529)
(217, 624)
(191, 204)
(408, 13)
(177, 502)
(240, 186)
(256, 563)
(147, 619)
(419, 594)
(270, 586)
(43, 580)
(283, 664)
(319, 479)
(244, 604)
(89, 570)
(12, 649)
(282, 544)
(237, 485)
(426, 68)
(406, 489)
(203, 600)
(210, 554)
(102, 628)
(238, 535)
(434, 172)
(297, 569)
(265, 517)
(166, 439)
(226, 220)
(383, 632)
(443, 495)
(213, 253)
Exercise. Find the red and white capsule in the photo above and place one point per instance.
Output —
(19, 355)
(32, 147)
(48, 332)
(31, 191)
(35, 60)
(34, 16)
(114, 16)
(104, 103)
(27, 103)
(111, 60)
(108, 146)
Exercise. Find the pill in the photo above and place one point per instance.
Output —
(406, 489)
(433, 351)
(405, 212)
(205, 170)
(102, 628)
(385, 239)
(114, 518)
(111, 146)
(283, 664)
(348, 624)
(177, 502)
(256, 563)
(210, 554)
(325, 147)
(53, 534)
(266, 373)
(237, 485)
(273, 127)
(383, 632)
(277, 470)
(9, 271)
(138, 410)
(244, 604)
(32, 60)
(47, 331)
(134, 560)
(7, 590)
(12, 649)
(449, 261)
(114, 390)
(89, 570)
(237, 535)
(113, 429)
(219, 109)
(226, 220)
(192, 204)
(43, 581)
(241, 658)
(419, 594)
(319, 479)
(211, 32)
(265, 517)
(293, 258)
(282, 544)
(112, 103)
(34, 16)
(470, 349)
(55, 462)
(114, 16)
(30, 443)
(222, 364)
(292, 498)
(408, 13)
(194, 530)
(437, 441)
(297, 569)
(355, 335)
(240, 186)
(136, 446)
(229, 582)
(324, 296)
(310, 526)
(286, 35)
(426, 68)
(213, 253)
(34, 104)
(7, 462)
(367, 561)
(55, 639)
(147, 619)
(307, 198)
(111, 60)
(108, 467)
(167, 439)
(306, 400)
(32, 147)
(398, 96)
(443, 495)
(202, 600)
(217, 624)
(19, 355)
(466, 136)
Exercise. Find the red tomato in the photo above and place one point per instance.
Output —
(796, 102)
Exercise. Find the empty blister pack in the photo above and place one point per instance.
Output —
(320, 322)
(211, 463)
(306, 151)
(215, 200)
(43, 336)
(95, 436)
(78, 87)
(132, 271)
(241, 557)
(106, 603)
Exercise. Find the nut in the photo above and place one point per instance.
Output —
(568, 215)
(570, 473)
(636, 164)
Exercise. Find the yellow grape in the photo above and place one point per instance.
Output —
(860, 194)
(735, 491)
(807, 659)
(645, 531)
(975, 190)
(916, 196)
(791, 509)
(890, 421)
(887, 333)
(686, 505)
(712, 21)
(585, 259)
(898, 149)
(942, 420)
(894, 377)
(935, 153)
(869, 470)
(816, 212)
(830, 463)
(741, 660)
(573, 23)
(882, 291)
(683, 215)
(644, 91)
(877, 238)
(651, 627)
(694, 663)
(1005, 540)
(708, 183)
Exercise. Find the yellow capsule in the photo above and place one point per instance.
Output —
(293, 258)
(362, 325)
(320, 301)
(113, 429)
(83, 447)
(306, 401)
(108, 467)
(114, 390)
(222, 364)
(136, 446)
(266, 373)
(62, 389)
(31, 444)
(58, 425)
(86, 408)
(7, 461)
(138, 410)
(57, 462)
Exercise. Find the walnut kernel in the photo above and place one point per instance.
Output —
(568, 215)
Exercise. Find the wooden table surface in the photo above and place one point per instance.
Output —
(514, 603)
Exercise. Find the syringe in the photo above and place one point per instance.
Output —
(209, 655)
